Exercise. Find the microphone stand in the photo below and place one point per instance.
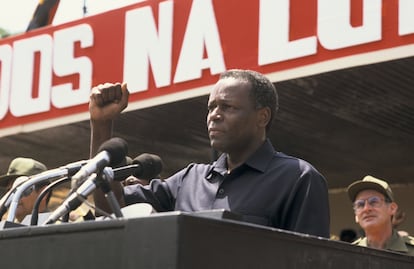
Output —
(45, 176)
(7, 198)
(35, 211)
(15, 194)
(78, 196)
(104, 180)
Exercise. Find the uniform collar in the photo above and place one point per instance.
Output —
(396, 243)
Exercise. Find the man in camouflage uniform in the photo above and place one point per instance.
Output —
(374, 208)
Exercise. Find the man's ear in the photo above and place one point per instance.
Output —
(263, 115)
(356, 219)
(393, 208)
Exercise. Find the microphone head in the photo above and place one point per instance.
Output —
(151, 166)
(117, 149)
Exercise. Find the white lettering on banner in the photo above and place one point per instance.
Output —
(274, 44)
(22, 102)
(406, 17)
(5, 66)
(149, 44)
(201, 32)
(143, 45)
(334, 27)
(65, 63)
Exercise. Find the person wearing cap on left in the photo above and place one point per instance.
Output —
(374, 207)
(18, 168)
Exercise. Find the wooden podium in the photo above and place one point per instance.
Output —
(181, 240)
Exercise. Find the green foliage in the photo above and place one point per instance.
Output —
(3, 33)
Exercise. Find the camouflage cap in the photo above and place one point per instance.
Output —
(370, 183)
(21, 167)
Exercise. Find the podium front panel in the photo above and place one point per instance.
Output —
(184, 241)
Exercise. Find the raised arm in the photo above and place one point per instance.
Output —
(106, 103)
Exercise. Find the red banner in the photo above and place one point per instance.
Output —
(171, 50)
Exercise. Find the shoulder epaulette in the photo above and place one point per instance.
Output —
(409, 240)
(356, 242)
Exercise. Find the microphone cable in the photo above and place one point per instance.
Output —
(43, 193)
(35, 211)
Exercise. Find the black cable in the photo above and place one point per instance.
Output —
(35, 210)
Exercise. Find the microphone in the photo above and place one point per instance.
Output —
(145, 166)
(77, 197)
(111, 153)
(8, 196)
(74, 200)
(16, 192)
(67, 170)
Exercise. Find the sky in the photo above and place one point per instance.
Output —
(16, 14)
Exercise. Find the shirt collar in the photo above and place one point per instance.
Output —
(396, 243)
(258, 160)
(262, 157)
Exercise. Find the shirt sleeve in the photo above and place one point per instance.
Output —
(307, 209)
(161, 194)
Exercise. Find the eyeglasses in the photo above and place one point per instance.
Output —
(28, 191)
(373, 201)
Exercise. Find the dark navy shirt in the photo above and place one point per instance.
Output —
(270, 188)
